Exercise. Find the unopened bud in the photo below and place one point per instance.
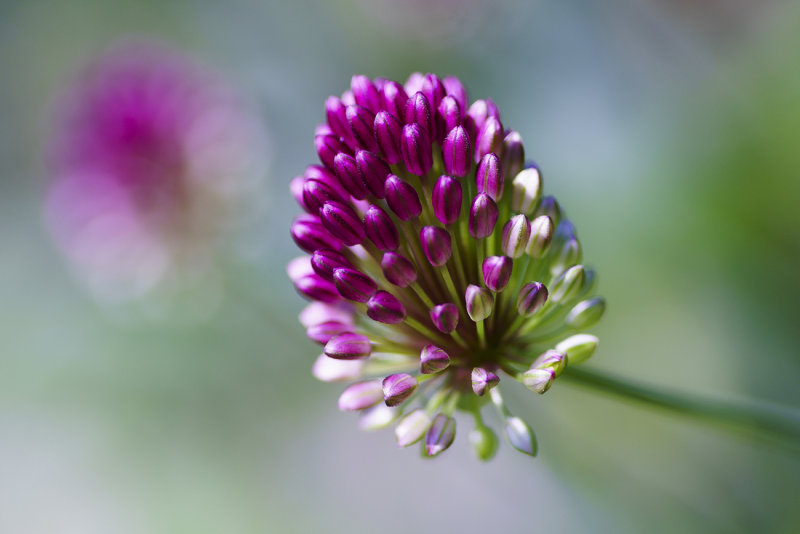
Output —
(578, 348)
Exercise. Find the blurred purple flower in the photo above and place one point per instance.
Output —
(433, 273)
(147, 157)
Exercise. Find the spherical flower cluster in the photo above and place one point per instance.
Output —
(434, 264)
(147, 157)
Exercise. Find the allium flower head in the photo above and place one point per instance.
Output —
(436, 268)
(147, 155)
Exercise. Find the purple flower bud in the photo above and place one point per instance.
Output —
(483, 380)
(440, 435)
(361, 121)
(336, 112)
(436, 245)
(397, 388)
(538, 380)
(513, 154)
(516, 233)
(316, 193)
(365, 93)
(418, 111)
(320, 312)
(541, 236)
(323, 332)
(342, 222)
(457, 152)
(398, 270)
(549, 206)
(353, 284)
(394, 99)
(526, 189)
(296, 188)
(324, 261)
(347, 170)
(448, 116)
(378, 417)
(482, 216)
(445, 317)
(321, 174)
(520, 435)
(456, 89)
(489, 139)
(388, 130)
(327, 147)
(414, 83)
(385, 308)
(479, 302)
(360, 396)
(329, 370)
(299, 267)
(551, 359)
(315, 287)
(432, 359)
(402, 198)
(412, 427)
(348, 346)
(531, 298)
(433, 89)
(477, 115)
(323, 129)
(310, 234)
(446, 199)
(497, 272)
(415, 146)
(489, 177)
(380, 229)
(374, 172)
(347, 98)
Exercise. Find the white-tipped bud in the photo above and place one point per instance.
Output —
(541, 236)
(378, 417)
(568, 285)
(586, 313)
(578, 348)
(412, 427)
(538, 380)
(327, 369)
(520, 435)
(526, 190)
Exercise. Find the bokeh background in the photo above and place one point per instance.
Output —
(669, 129)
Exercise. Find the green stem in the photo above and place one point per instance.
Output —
(781, 426)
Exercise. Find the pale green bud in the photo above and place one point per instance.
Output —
(484, 442)
(568, 285)
(526, 188)
(578, 348)
(538, 380)
(586, 313)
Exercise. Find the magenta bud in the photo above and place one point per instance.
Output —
(433, 89)
(385, 308)
(513, 154)
(374, 172)
(436, 244)
(432, 359)
(336, 112)
(489, 139)
(315, 287)
(477, 115)
(415, 147)
(457, 152)
(531, 298)
(342, 222)
(489, 177)
(397, 388)
(324, 261)
(418, 111)
(380, 229)
(448, 116)
(361, 121)
(482, 216)
(323, 332)
(328, 146)
(360, 396)
(320, 312)
(388, 130)
(402, 198)
(440, 435)
(321, 174)
(516, 234)
(365, 93)
(394, 99)
(456, 89)
(347, 171)
(446, 199)
(296, 188)
(316, 193)
(483, 380)
(445, 317)
(299, 267)
(479, 302)
(348, 346)
(347, 98)
(310, 234)
(353, 284)
(323, 129)
(414, 83)
(398, 270)
(497, 272)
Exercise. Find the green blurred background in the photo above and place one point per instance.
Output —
(669, 129)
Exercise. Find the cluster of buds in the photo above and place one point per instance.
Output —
(435, 265)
